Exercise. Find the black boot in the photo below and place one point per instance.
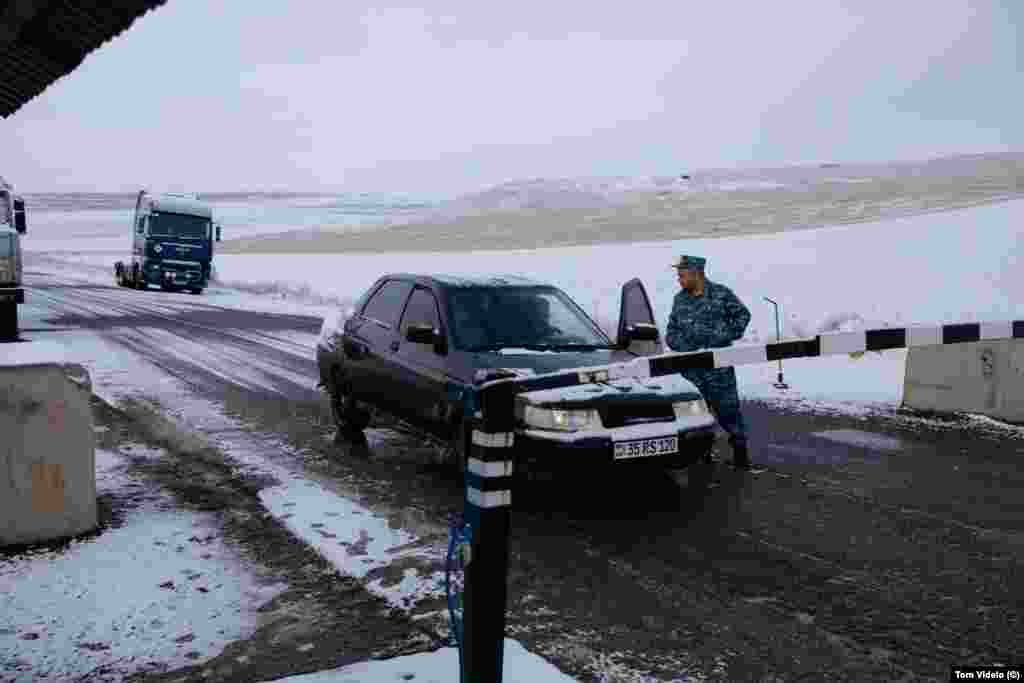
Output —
(740, 458)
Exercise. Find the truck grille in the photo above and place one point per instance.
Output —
(636, 413)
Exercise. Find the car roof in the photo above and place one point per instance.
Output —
(447, 281)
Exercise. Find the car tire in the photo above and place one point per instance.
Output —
(349, 416)
(196, 291)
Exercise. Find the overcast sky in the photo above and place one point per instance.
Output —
(356, 97)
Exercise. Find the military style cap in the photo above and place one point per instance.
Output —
(690, 263)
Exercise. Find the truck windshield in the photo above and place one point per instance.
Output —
(491, 318)
(178, 225)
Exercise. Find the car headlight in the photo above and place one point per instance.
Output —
(693, 408)
(561, 419)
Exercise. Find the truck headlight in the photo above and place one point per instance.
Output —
(561, 419)
(693, 408)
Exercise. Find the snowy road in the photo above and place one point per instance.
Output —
(875, 544)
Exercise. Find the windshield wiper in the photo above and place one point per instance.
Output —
(489, 347)
(581, 347)
(564, 347)
(540, 347)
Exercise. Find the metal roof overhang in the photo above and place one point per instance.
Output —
(44, 40)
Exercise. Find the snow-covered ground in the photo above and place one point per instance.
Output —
(440, 666)
(160, 591)
(956, 266)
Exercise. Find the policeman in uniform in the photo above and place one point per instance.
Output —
(707, 315)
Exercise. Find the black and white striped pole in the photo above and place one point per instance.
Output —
(489, 470)
(839, 343)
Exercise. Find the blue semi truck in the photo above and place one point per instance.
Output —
(172, 243)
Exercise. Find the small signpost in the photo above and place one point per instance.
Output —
(780, 384)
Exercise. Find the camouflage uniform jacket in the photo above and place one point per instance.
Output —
(712, 320)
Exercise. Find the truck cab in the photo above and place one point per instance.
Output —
(13, 224)
(172, 243)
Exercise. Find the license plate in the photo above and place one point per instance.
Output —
(645, 448)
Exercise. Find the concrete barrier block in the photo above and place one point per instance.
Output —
(983, 377)
(47, 452)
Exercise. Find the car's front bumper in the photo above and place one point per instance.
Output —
(558, 450)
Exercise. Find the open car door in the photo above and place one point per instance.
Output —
(638, 332)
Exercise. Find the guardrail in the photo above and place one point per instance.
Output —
(492, 455)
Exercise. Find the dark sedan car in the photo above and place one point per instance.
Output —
(416, 347)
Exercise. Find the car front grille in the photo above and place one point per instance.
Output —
(636, 413)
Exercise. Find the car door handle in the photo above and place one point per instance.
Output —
(394, 345)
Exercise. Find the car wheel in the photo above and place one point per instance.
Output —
(349, 416)
(196, 291)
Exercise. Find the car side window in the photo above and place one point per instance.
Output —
(385, 306)
(422, 308)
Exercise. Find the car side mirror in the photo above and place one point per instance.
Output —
(642, 332)
(218, 232)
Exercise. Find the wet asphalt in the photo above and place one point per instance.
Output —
(873, 547)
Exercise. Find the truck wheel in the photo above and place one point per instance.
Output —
(8, 321)
(350, 417)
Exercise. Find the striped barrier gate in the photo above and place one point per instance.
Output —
(492, 456)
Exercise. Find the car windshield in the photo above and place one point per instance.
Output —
(178, 225)
(536, 318)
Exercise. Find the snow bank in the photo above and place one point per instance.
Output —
(440, 666)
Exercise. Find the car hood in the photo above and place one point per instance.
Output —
(670, 387)
(542, 362)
